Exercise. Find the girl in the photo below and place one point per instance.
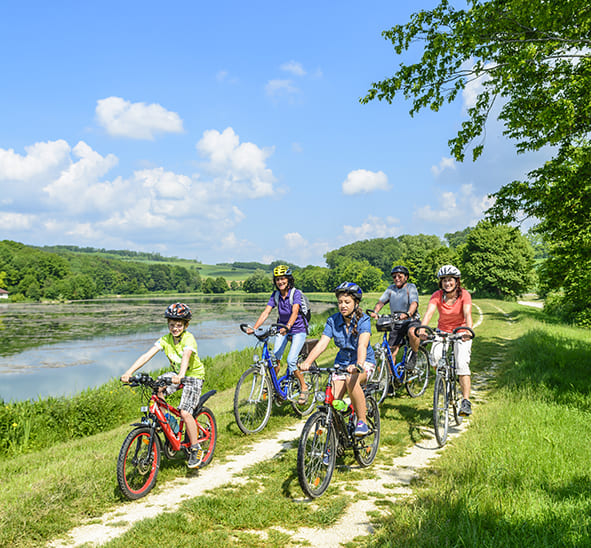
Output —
(350, 329)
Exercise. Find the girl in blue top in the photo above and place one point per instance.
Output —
(350, 329)
(289, 315)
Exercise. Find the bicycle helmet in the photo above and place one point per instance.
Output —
(178, 311)
(449, 270)
(282, 270)
(349, 288)
(401, 269)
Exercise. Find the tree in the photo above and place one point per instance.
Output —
(259, 282)
(533, 60)
(426, 278)
(497, 261)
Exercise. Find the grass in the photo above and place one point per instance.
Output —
(518, 476)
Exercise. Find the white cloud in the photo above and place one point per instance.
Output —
(456, 209)
(362, 180)
(445, 163)
(301, 251)
(16, 221)
(240, 168)
(475, 86)
(277, 88)
(372, 227)
(40, 160)
(122, 118)
(294, 67)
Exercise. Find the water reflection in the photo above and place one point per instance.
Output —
(62, 349)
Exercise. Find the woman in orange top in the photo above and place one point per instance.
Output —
(454, 305)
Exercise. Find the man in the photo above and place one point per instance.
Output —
(403, 297)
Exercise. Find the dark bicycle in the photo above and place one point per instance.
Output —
(139, 457)
(328, 432)
(259, 385)
(412, 371)
(446, 393)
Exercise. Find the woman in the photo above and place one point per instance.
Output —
(288, 307)
(350, 329)
(454, 305)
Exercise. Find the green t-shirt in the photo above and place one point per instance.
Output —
(174, 353)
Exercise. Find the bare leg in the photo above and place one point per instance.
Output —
(465, 386)
(191, 426)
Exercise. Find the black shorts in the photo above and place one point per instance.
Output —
(400, 330)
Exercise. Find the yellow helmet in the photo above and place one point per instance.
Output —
(282, 270)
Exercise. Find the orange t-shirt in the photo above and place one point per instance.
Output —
(450, 316)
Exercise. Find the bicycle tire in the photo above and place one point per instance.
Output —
(252, 401)
(137, 467)
(294, 391)
(366, 448)
(317, 454)
(456, 401)
(207, 432)
(382, 377)
(440, 410)
(416, 383)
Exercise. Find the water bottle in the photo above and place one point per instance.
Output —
(339, 405)
(174, 424)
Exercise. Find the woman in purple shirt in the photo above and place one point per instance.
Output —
(288, 301)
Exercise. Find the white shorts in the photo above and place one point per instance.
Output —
(462, 351)
(368, 367)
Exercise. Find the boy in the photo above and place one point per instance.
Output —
(180, 348)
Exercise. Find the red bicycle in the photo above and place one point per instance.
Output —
(139, 457)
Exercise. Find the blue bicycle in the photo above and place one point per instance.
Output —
(259, 385)
(412, 371)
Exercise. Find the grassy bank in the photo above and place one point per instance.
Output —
(517, 476)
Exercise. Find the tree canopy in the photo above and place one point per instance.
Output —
(532, 60)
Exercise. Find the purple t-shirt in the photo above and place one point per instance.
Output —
(284, 309)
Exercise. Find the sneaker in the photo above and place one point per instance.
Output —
(361, 429)
(326, 458)
(410, 363)
(465, 408)
(195, 458)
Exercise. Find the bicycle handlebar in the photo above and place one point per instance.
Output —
(333, 369)
(263, 333)
(453, 336)
(146, 380)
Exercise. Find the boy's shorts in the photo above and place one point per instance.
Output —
(191, 391)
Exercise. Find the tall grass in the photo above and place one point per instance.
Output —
(520, 475)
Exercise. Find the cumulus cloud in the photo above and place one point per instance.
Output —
(122, 118)
(300, 250)
(239, 168)
(372, 227)
(445, 163)
(40, 160)
(16, 221)
(456, 209)
(364, 181)
(276, 88)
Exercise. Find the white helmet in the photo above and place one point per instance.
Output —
(449, 270)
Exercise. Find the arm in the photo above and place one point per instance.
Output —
(295, 310)
(376, 309)
(431, 308)
(142, 360)
(264, 315)
(184, 365)
(318, 349)
(361, 350)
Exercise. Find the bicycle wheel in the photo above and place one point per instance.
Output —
(440, 410)
(366, 448)
(418, 379)
(207, 432)
(137, 465)
(317, 454)
(381, 377)
(252, 401)
(294, 392)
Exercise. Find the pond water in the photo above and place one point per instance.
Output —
(62, 349)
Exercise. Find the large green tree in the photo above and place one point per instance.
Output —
(533, 60)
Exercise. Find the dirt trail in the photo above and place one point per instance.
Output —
(392, 480)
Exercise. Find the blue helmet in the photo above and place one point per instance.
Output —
(349, 288)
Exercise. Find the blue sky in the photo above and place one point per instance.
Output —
(224, 131)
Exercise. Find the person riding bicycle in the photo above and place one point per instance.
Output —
(455, 310)
(288, 301)
(402, 297)
(180, 348)
(350, 328)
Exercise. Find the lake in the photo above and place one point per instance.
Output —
(62, 349)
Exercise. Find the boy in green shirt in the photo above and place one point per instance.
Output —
(180, 348)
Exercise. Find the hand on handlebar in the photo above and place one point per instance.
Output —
(125, 377)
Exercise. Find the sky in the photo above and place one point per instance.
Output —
(226, 131)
